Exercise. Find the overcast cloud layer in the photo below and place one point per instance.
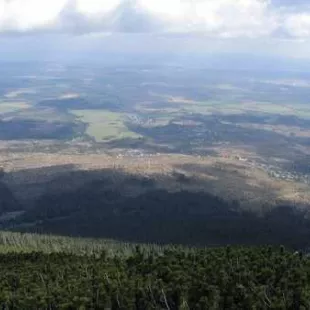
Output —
(219, 18)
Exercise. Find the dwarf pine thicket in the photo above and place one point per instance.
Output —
(62, 273)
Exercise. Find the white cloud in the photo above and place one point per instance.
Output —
(23, 15)
(95, 7)
(298, 25)
(220, 18)
(214, 17)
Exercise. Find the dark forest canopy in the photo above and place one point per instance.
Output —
(224, 278)
(156, 216)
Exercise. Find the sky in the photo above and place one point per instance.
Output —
(39, 28)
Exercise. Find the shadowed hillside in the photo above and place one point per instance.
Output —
(8, 203)
(115, 205)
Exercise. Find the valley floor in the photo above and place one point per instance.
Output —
(33, 168)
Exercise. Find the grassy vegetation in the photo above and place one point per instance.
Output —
(177, 108)
(228, 107)
(104, 125)
(19, 92)
(247, 107)
(26, 243)
(7, 106)
(162, 116)
(43, 114)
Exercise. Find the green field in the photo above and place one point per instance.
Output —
(43, 114)
(19, 92)
(7, 106)
(229, 108)
(247, 107)
(104, 125)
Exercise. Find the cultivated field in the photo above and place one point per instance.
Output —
(12, 106)
(103, 125)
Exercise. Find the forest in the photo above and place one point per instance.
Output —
(173, 278)
(162, 247)
(158, 216)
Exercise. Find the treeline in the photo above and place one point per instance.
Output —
(161, 217)
(26, 242)
(222, 278)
